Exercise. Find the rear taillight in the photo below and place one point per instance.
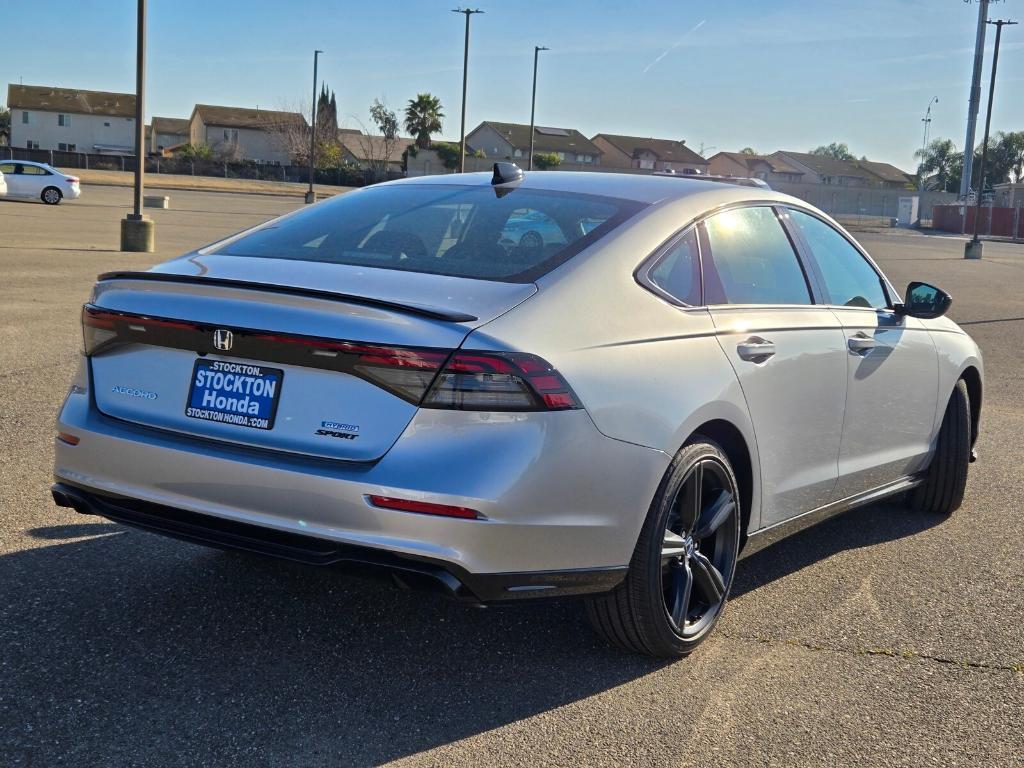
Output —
(71, 179)
(500, 381)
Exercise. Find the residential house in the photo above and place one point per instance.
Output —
(765, 167)
(373, 152)
(511, 141)
(822, 169)
(239, 133)
(648, 154)
(888, 176)
(69, 120)
(166, 133)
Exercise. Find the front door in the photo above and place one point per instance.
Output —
(788, 353)
(892, 365)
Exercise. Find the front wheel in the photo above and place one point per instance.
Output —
(51, 196)
(942, 491)
(683, 566)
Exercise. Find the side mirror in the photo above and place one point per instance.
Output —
(924, 301)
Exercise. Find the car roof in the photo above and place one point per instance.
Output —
(642, 188)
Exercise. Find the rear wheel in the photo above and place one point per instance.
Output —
(51, 196)
(942, 491)
(682, 569)
(531, 239)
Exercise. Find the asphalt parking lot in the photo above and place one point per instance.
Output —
(882, 637)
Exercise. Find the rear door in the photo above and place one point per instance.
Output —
(787, 352)
(892, 365)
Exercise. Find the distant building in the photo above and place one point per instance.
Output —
(44, 117)
(765, 167)
(238, 133)
(511, 141)
(822, 169)
(167, 132)
(889, 176)
(647, 154)
(371, 152)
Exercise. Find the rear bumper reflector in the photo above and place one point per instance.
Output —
(423, 507)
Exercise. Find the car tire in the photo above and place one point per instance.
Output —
(531, 239)
(942, 491)
(683, 565)
(51, 196)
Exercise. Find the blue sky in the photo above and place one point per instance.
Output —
(773, 75)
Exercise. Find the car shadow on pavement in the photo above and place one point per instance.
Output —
(125, 648)
(858, 528)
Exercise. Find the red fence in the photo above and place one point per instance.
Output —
(1000, 222)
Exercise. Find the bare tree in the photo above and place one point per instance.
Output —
(290, 130)
(378, 151)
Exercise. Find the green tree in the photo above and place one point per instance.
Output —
(1006, 157)
(941, 162)
(423, 117)
(5, 121)
(448, 153)
(199, 151)
(385, 120)
(834, 150)
(545, 160)
(748, 151)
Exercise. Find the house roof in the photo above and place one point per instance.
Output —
(886, 172)
(49, 99)
(173, 125)
(244, 117)
(775, 163)
(668, 150)
(545, 139)
(827, 166)
(361, 146)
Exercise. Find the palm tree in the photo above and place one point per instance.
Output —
(941, 160)
(423, 117)
(1010, 150)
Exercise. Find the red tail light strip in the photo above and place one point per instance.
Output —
(425, 376)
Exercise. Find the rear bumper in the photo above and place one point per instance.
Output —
(409, 572)
(556, 495)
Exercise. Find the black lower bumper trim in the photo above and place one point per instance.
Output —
(409, 571)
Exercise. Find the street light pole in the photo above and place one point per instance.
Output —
(974, 247)
(465, 79)
(533, 101)
(310, 193)
(974, 101)
(137, 232)
(927, 120)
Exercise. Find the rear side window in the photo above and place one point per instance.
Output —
(677, 273)
(751, 260)
(512, 235)
(849, 279)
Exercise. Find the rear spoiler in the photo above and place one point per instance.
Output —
(435, 313)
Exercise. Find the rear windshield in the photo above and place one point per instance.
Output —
(511, 235)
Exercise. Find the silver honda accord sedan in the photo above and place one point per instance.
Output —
(687, 372)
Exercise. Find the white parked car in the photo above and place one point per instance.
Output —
(3, 185)
(38, 181)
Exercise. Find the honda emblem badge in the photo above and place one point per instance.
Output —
(223, 339)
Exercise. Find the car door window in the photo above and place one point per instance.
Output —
(7, 168)
(751, 260)
(35, 170)
(677, 273)
(850, 280)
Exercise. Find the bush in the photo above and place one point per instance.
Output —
(545, 160)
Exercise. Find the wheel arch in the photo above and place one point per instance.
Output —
(731, 440)
(972, 378)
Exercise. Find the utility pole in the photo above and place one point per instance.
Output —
(311, 193)
(137, 232)
(465, 75)
(927, 120)
(973, 249)
(974, 101)
(533, 101)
